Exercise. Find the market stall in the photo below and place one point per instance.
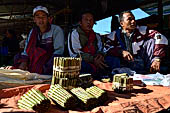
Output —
(141, 99)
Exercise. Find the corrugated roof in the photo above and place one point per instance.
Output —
(17, 13)
(152, 8)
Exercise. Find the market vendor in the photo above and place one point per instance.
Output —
(45, 41)
(138, 47)
(85, 42)
(10, 47)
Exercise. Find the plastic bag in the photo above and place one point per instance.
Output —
(166, 80)
(17, 77)
(123, 70)
(154, 79)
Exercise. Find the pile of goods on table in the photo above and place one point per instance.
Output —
(66, 72)
(122, 83)
(34, 100)
(69, 89)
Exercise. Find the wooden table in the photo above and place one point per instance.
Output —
(147, 99)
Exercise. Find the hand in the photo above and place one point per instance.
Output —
(23, 66)
(8, 67)
(127, 56)
(99, 62)
(155, 66)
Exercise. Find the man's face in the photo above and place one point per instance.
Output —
(87, 22)
(41, 19)
(128, 23)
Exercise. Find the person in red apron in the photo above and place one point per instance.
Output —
(45, 41)
(84, 42)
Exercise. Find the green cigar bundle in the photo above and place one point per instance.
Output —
(100, 94)
(66, 83)
(67, 63)
(62, 97)
(122, 83)
(66, 71)
(87, 101)
(73, 74)
(84, 81)
(34, 100)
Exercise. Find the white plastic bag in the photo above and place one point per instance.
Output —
(16, 77)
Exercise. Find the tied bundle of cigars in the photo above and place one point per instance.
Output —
(66, 99)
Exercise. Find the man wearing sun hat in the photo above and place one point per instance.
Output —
(45, 41)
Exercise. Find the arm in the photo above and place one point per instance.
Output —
(112, 48)
(75, 47)
(23, 60)
(58, 41)
(99, 55)
(161, 43)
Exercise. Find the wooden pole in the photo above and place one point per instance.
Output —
(160, 14)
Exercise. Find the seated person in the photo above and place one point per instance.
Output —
(45, 41)
(11, 44)
(141, 49)
(85, 42)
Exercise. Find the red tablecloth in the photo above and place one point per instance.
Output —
(143, 99)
